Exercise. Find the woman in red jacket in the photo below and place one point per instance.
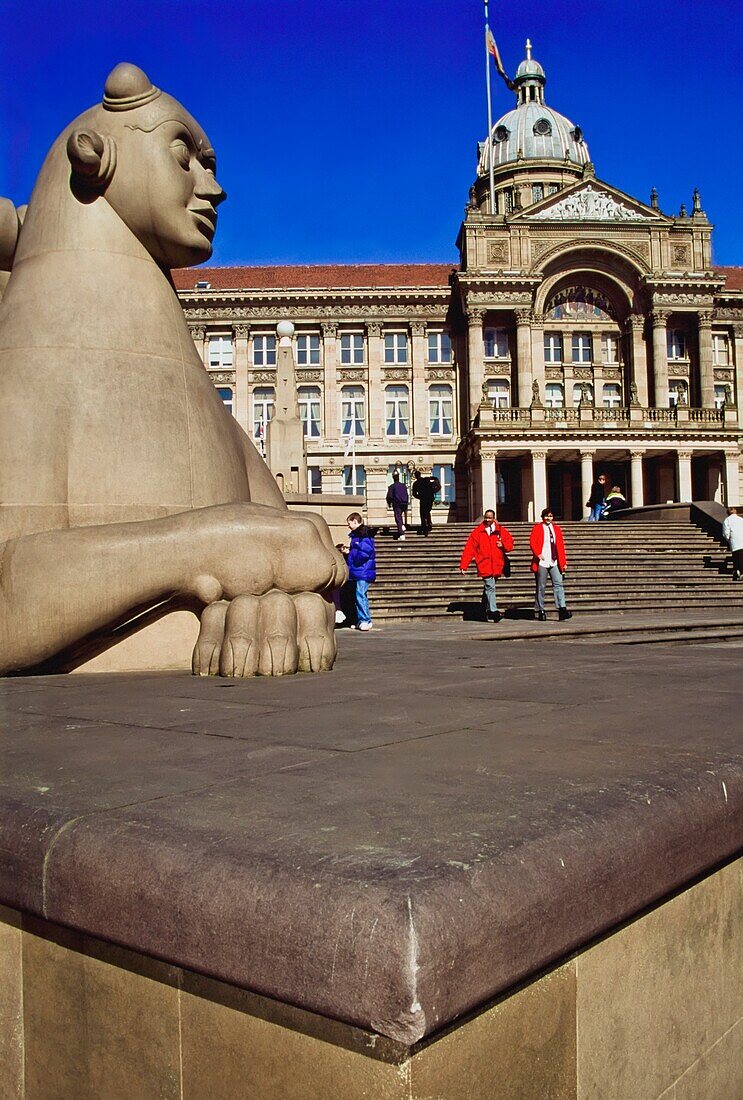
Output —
(487, 545)
(548, 559)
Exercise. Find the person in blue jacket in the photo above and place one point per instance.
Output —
(362, 566)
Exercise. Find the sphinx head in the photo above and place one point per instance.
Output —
(152, 163)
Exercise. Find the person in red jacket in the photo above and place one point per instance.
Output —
(548, 560)
(487, 545)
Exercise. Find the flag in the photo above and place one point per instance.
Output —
(351, 441)
(492, 48)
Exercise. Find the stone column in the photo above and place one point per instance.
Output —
(706, 367)
(684, 466)
(419, 393)
(375, 396)
(539, 481)
(586, 474)
(639, 361)
(376, 492)
(332, 479)
(732, 478)
(660, 357)
(489, 479)
(332, 393)
(240, 359)
(537, 354)
(637, 490)
(475, 362)
(523, 357)
(737, 348)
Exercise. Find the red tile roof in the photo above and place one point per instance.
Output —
(315, 276)
(733, 277)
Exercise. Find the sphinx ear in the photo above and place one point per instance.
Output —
(93, 157)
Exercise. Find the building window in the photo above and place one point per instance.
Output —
(581, 347)
(440, 407)
(554, 395)
(507, 200)
(396, 405)
(220, 352)
(720, 349)
(227, 395)
(395, 347)
(308, 349)
(499, 392)
(552, 188)
(612, 395)
(314, 479)
(354, 481)
(578, 391)
(552, 347)
(264, 351)
(610, 348)
(496, 343)
(445, 474)
(439, 347)
(353, 411)
(676, 344)
(720, 396)
(309, 411)
(264, 400)
(537, 192)
(352, 347)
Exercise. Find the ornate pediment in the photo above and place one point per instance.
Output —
(590, 203)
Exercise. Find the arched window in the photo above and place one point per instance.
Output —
(353, 411)
(225, 392)
(440, 407)
(499, 392)
(582, 393)
(309, 411)
(396, 404)
(264, 399)
(554, 395)
(612, 395)
(574, 302)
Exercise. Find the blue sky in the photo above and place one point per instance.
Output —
(346, 130)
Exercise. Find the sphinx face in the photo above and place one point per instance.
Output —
(164, 186)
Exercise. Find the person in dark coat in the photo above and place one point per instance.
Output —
(615, 502)
(596, 500)
(362, 566)
(424, 490)
(397, 498)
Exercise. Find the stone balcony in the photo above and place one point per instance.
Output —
(582, 417)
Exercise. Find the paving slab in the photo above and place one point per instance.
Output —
(393, 844)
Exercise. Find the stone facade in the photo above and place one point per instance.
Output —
(581, 329)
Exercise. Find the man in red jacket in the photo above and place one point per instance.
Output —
(487, 545)
(548, 559)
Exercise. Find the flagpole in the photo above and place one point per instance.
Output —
(490, 114)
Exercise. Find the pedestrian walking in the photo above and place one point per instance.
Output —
(424, 491)
(548, 560)
(398, 500)
(596, 500)
(732, 532)
(362, 566)
(487, 546)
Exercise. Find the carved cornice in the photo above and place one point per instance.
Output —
(635, 323)
(314, 311)
(197, 334)
(242, 332)
(523, 316)
(440, 374)
(738, 332)
(704, 318)
(396, 374)
(374, 329)
(637, 454)
(540, 455)
(219, 377)
(329, 331)
(678, 370)
(304, 375)
(475, 316)
(724, 374)
(488, 299)
(659, 317)
(418, 328)
(263, 376)
(352, 374)
(585, 373)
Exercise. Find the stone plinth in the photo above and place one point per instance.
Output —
(388, 881)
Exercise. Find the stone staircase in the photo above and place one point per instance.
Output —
(616, 567)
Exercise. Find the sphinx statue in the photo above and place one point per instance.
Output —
(127, 491)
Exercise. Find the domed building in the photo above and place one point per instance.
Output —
(582, 329)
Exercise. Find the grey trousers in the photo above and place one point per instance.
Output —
(558, 591)
(488, 594)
